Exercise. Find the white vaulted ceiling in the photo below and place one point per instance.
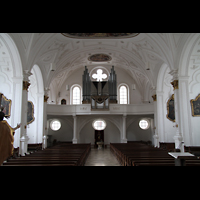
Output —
(69, 54)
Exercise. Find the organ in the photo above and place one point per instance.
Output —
(99, 93)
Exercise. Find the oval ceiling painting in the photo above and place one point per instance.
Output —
(99, 58)
(99, 35)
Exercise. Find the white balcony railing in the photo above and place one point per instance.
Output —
(115, 109)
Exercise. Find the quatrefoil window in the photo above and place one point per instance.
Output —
(99, 75)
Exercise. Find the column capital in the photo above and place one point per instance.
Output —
(26, 81)
(175, 84)
(175, 78)
(26, 74)
(45, 98)
(46, 91)
(26, 84)
(154, 97)
(174, 74)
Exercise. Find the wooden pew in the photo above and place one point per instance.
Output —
(140, 154)
(34, 147)
(59, 155)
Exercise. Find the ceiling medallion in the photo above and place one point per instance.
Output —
(100, 35)
(99, 58)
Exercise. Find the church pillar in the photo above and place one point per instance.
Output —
(160, 125)
(124, 139)
(185, 110)
(178, 137)
(24, 138)
(156, 137)
(75, 130)
(16, 107)
(45, 137)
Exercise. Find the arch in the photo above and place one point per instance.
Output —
(13, 53)
(88, 122)
(36, 95)
(12, 69)
(161, 75)
(91, 119)
(185, 52)
(39, 77)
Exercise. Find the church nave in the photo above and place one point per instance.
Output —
(98, 89)
(101, 157)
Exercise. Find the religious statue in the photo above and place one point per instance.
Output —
(6, 137)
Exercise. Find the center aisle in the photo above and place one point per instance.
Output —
(101, 157)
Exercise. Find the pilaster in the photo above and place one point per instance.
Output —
(178, 137)
(75, 130)
(45, 129)
(24, 138)
(124, 139)
(156, 137)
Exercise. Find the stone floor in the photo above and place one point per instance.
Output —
(101, 157)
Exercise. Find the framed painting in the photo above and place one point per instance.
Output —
(6, 103)
(195, 104)
(170, 109)
(30, 113)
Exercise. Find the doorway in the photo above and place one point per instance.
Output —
(98, 137)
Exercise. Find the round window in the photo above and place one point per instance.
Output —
(99, 124)
(144, 124)
(55, 125)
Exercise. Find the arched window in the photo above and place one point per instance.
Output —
(123, 94)
(76, 94)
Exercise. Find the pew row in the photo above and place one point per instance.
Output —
(140, 154)
(59, 155)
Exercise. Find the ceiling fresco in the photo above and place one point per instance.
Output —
(99, 35)
(99, 58)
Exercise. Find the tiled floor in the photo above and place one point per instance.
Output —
(101, 157)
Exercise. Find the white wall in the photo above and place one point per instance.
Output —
(65, 133)
(134, 132)
(112, 132)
